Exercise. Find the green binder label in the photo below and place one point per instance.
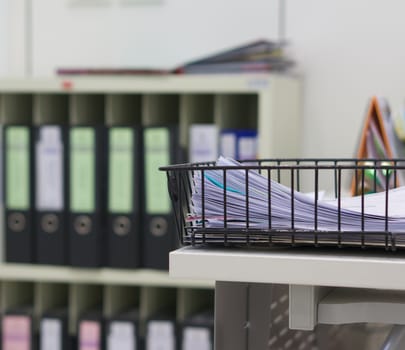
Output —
(157, 148)
(17, 167)
(121, 180)
(82, 170)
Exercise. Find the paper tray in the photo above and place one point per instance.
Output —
(332, 174)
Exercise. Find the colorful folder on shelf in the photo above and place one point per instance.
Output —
(378, 144)
(18, 190)
(124, 228)
(160, 147)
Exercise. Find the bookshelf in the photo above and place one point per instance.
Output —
(268, 102)
(274, 99)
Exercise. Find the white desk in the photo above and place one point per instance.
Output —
(377, 278)
(319, 267)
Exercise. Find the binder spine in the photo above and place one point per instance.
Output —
(17, 330)
(54, 332)
(18, 188)
(161, 333)
(87, 198)
(124, 219)
(51, 211)
(91, 332)
(122, 333)
(159, 225)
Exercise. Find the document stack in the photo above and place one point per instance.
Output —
(228, 203)
(256, 56)
(353, 217)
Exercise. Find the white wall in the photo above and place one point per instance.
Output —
(12, 38)
(3, 37)
(158, 35)
(346, 50)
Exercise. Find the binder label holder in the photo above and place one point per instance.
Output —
(157, 146)
(18, 168)
(121, 164)
(49, 169)
(82, 172)
(18, 190)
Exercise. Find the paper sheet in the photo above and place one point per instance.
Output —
(266, 197)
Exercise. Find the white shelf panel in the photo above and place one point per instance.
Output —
(315, 267)
(146, 84)
(102, 276)
(346, 305)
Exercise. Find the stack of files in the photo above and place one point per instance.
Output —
(198, 331)
(161, 333)
(122, 331)
(90, 335)
(54, 331)
(256, 56)
(86, 210)
(352, 217)
(17, 329)
(161, 146)
(239, 144)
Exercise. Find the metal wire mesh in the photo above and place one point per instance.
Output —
(326, 179)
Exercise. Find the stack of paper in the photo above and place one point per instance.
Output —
(256, 56)
(252, 57)
(272, 205)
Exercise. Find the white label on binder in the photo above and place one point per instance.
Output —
(121, 336)
(49, 169)
(247, 147)
(160, 336)
(228, 145)
(51, 334)
(196, 338)
(203, 143)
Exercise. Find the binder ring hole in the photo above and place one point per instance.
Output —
(82, 225)
(50, 223)
(158, 226)
(122, 226)
(16, 222)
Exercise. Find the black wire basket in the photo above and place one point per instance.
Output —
(294, 202)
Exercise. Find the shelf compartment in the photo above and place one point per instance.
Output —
(103, 276)
(312, 305)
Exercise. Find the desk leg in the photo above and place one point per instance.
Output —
(242, 316)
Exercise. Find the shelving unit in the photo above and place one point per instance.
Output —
(268, 102)
(273, 100)
(102, 276)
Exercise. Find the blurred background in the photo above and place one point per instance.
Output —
(345, 51)
(340, 54)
